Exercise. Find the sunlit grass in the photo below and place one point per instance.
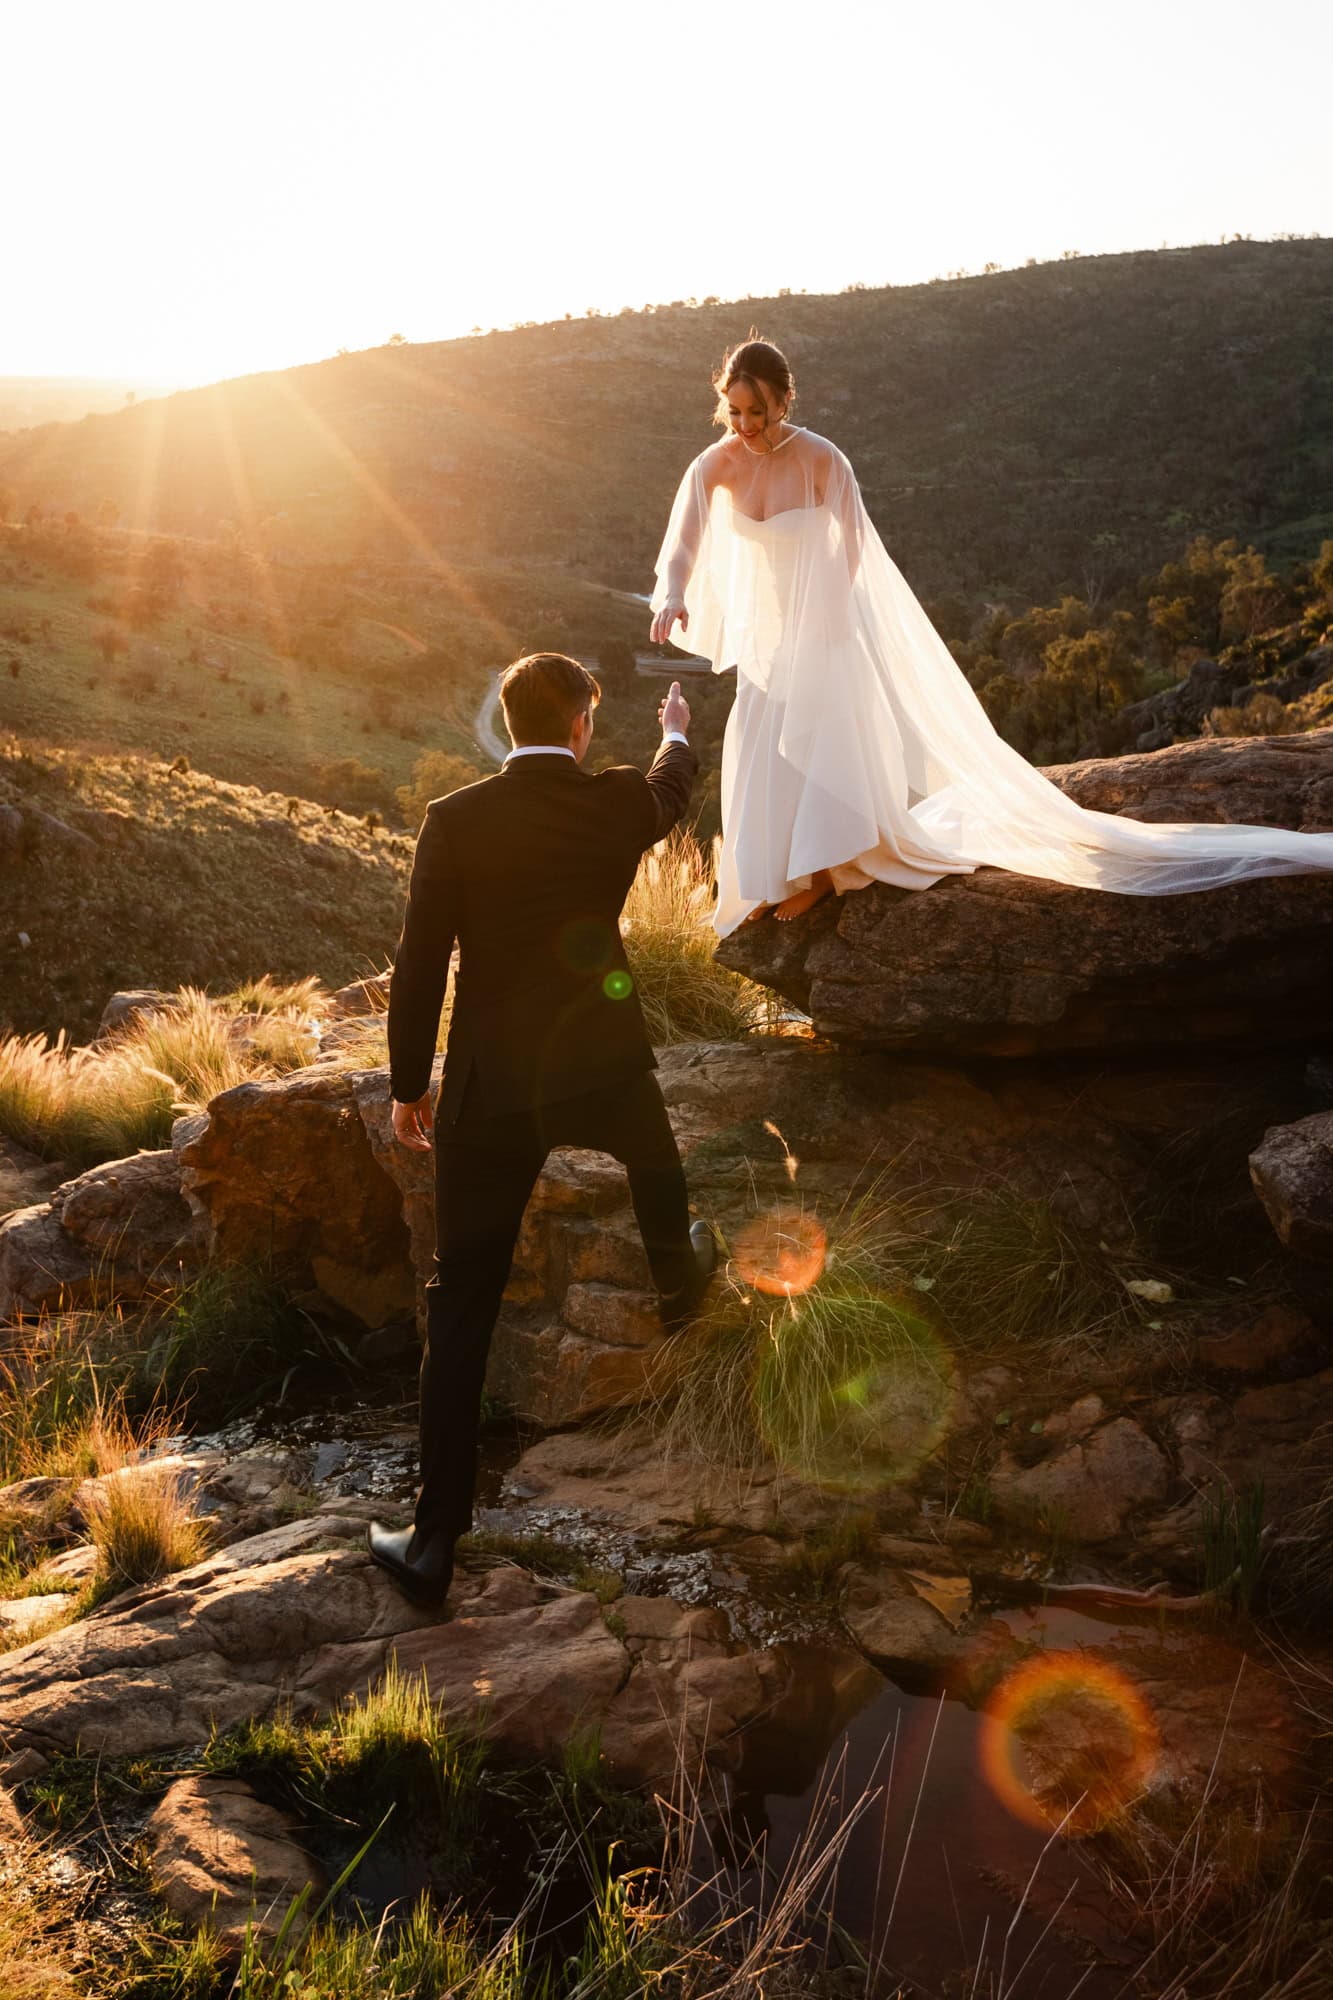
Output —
(123, 1094)
(669, 939)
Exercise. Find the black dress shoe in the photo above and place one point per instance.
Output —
(422, 1564)
(679, 1308)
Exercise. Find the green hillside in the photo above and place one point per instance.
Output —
(1017, 434)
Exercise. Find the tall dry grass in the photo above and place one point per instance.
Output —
(110, 1098)
(685, 994)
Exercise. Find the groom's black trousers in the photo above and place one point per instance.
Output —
(485, 1170)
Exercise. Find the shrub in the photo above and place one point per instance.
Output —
(434, 775)
(346, 781)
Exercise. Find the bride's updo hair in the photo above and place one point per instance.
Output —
(753, 362)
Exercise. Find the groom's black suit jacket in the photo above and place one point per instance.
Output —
(528, 872)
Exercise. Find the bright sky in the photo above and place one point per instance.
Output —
(195, 191)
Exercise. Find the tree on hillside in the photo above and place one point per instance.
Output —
(1321, 573)
(435, 773)
(1252, 599)
(163, 569)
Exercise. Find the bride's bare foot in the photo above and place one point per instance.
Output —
(764, 910)
(805, 899)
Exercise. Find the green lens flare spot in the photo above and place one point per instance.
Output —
(618, 985)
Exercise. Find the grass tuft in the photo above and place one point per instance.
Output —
(139, 1521)
(685, 994)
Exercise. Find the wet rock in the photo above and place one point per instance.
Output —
(221, 1859)
(896, 1625)
(1292, 1171)
(1096, 1484)
(1005, 965)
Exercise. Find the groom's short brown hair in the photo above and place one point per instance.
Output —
(543, 695)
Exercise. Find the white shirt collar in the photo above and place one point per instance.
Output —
(540, 750)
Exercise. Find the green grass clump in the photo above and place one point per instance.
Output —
(396, 1743)
(685, 994)
(1011, 1272)
(230, 1337)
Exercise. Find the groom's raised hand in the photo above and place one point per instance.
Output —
(674, 711)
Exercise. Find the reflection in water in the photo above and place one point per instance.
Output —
(1068, 1739)
(937, 1877)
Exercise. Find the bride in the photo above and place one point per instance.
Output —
(856, 751)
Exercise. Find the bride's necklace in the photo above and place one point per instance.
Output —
(769, 450)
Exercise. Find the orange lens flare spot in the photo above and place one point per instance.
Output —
(1068, 1738)
(781, 1254)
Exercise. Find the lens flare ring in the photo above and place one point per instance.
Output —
(1067, 1737)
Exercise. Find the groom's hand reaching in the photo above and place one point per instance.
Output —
(412, 1124)
(674, 711)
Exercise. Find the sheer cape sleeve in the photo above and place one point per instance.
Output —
(685, 568)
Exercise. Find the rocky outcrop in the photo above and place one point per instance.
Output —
(299, 1616)
(1003, 965)
(132, 1005)
(1181, 711)
(223, 1861)
(1292, 1171)
(26, 1180)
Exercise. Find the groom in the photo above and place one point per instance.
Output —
(527, 872)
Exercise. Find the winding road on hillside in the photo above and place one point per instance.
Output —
(488, 736)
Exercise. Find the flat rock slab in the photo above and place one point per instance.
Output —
(1005, 965)
(301, 1616)
(221, 1860)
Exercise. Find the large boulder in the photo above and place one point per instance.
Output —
(1292, 1171)
(284, 1173)
(1004, 965)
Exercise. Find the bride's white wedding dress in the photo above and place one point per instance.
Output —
(855, 743)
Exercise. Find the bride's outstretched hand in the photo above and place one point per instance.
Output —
(664, 619)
